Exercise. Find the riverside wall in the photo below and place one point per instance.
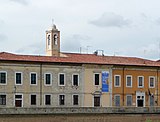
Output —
(80, 114)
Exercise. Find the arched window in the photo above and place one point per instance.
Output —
(55, 39)
(49, 40)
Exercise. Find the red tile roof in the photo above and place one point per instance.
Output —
(79, 58)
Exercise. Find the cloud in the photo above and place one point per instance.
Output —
(111, 20)
(73, 43)
(22, 2)
(1, 22)
(2, 37)
(36, 49)
(158, 21)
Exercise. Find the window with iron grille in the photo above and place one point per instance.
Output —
(33, 99)
(61, 99)
(151, 100)
(129, 100)
(75, 99)
(47, 99)
(117, 100)
(2, 99)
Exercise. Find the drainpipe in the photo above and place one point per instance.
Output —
(82, 75)
(123, 85)
(110, 84)
(40, 84)
(157, 87)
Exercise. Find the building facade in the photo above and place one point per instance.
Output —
(26, 84)
(136, 86)
(76, 80)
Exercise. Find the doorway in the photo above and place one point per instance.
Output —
(139, 103)
(18, 101)
(96, 101)
(140, 99)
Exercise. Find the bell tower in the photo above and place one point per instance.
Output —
(53, 41)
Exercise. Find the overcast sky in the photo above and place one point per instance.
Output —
(119, 27)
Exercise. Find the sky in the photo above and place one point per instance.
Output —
(118, 27)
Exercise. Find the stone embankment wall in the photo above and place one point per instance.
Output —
(82, 118)
(80, 114)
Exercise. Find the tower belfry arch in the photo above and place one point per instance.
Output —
(53, 41)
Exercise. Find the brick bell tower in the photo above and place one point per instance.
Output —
(53, 41)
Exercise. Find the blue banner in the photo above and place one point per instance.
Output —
(105, 81)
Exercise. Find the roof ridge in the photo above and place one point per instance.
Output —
(7, 53)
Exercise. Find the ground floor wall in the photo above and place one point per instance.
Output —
(82, 118)
(104, 100)
(54, 100)
(139, 99)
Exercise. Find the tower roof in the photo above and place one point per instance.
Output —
(53, 27)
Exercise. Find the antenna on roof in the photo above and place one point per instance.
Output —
(115, 53)
(88, 48)
(145, 51)
(80, 49)
(52, 21)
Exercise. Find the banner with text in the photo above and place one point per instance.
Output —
(105, 81)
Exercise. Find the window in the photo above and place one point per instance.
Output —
(49, 40)
(151, 100)
(33, 79)
(18, 78)
(151, 82)
(75, 79)
(61, 79)
(55, 39)
(33, 99)
(128, 81)
(96, 101)
(47, 99)
(75, 99)
(18, 100)
(129, 100)
(61, 99)
(2, 99)
(48, 79)
(3, 78)
(96, 79)
(117, 81)
(117, 100)
(140, 81)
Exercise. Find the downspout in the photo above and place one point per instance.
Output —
(157, 87)
(82, 75)
(123, 85)
(110, 84)
(40, 84)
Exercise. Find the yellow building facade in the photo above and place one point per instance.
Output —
(94, 95)
(135, 86)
